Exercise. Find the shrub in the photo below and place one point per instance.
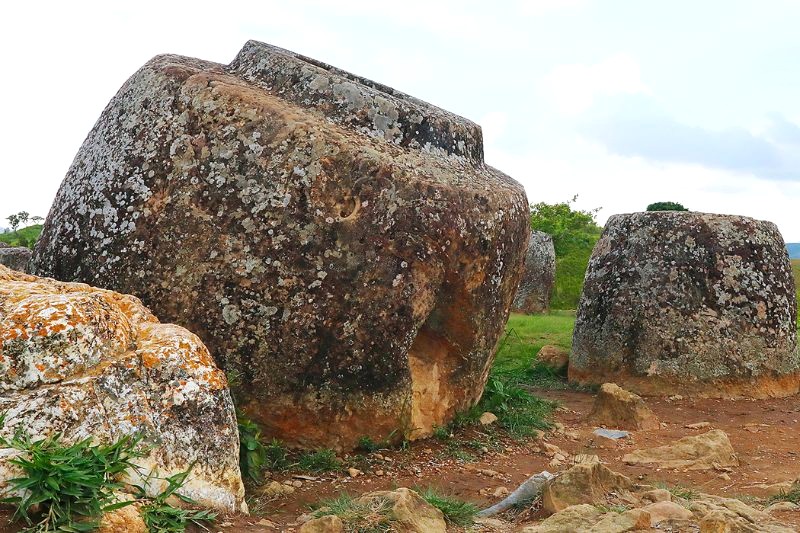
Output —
(666, 206)
(367, 517)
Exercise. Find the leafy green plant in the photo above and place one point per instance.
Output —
(457, 512)
(67, 487)
(277, 458)
(161, 517)
(442, 433)
(319, 461)
(252, 452)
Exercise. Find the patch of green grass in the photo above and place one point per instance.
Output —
(457, 512)
(367, 445)
(22, 237)
(518, 411)
(442, 433)
(680, 491)
(67, 487)
(358, 517)
(319, 461)
(792, 495)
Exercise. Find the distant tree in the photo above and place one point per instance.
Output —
(24, 216)
(574, 233)
(666, 206)
(37, 219)
(13, 220)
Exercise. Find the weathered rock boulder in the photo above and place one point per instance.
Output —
(553, 357)
(86, 362)
(615, 407)
(406, 510)
(589, 482)
(339, 245)
(689, 303)
(536, 287)
(697, 452)
(15, 258)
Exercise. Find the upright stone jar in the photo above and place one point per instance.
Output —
(538, 277)
(341, 248)
(688, 303)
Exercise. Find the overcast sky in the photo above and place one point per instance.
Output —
(621, 102)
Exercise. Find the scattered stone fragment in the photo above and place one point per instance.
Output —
(553, 357)
(698, 425)
(613, 434)
(538, 276)
(83, 362)
(342, 246)
(353, 472)
(701, 452)
(718, 514)
(276, 490)
(617, 408)
(409, 511)
(324, 524)
(690, 303)
(15, 258)
(572, 519)
(583, 483)
(782, 507)
(656, 495)
(487, 418)
(666, 510)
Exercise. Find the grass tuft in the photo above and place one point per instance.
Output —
(457, 512)
(359, 517)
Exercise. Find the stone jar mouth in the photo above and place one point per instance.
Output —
(364, 105)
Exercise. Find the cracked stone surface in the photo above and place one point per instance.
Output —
(538, 277)
(688, 303)
(340, 246)
(86, 362)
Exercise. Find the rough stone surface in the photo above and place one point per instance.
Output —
(728, 515)
(15, 258)
(342, 246)
(408, 512)
(688, 303)
(324, 524)
(698, 452)
(583, 483)
(662, 511)
(86, 362)
(536, 286)
(615, 407)
(553, 357)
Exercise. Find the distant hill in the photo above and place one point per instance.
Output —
(27, 235)
(794, 249)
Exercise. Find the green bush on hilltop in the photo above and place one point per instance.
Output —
(666, 206)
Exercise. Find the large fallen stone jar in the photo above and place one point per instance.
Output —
(688, 303)
(339, 246)
(86, 362)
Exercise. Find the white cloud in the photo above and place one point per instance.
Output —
(574, 88)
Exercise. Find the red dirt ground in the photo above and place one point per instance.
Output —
(764, 434)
